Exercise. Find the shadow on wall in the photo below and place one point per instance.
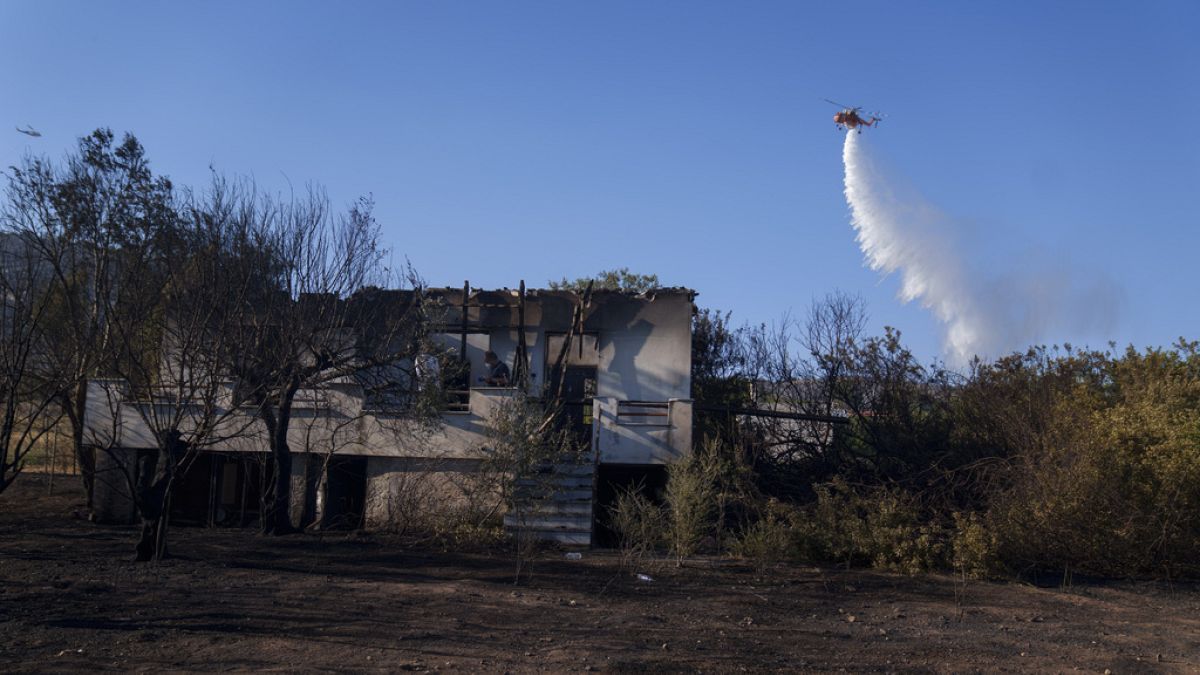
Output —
(621, 328)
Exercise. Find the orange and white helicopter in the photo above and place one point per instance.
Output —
(849, 118)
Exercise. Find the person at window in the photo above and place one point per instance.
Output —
(497, 370)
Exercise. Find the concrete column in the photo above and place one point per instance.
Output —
(604, 419)
(679, 435)
(380, 492)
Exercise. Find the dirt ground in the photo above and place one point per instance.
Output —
(232, 600)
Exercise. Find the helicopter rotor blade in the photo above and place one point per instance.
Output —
(840, 105)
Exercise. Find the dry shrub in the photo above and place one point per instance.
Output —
(469, 535)
(710, 491)
(700, 489)
(464, 528)
(413, 501)
(691, 497)
(639, 524)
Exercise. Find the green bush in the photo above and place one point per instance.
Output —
(1051, 459)
(976, 553)
(879, 527)
(1109, 482)
(771, 539)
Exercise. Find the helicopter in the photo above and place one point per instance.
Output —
(849, 118)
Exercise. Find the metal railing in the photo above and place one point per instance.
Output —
(457, 400)
(643, 413)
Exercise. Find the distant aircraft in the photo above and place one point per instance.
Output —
(30, 131)
(848, 117)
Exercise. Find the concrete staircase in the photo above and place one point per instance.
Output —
(555, 504)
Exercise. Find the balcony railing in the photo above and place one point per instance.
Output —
(643, 413)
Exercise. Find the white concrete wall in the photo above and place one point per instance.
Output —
(111, 422)
(404, 492)
(645, 348)
(656, 440)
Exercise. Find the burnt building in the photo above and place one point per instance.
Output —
(618, 364)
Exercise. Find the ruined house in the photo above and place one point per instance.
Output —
(619, 362)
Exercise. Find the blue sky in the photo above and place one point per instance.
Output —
(510, 140)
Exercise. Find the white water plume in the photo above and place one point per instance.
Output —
(900, 232)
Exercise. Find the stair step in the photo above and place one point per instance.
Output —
(581, 508)
(575, 469)
(556, 481)
(539, 522)
(528, 493)
(555, 503)
(564, 469)
(583, 538)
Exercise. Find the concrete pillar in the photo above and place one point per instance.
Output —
(380, 495)
(679, 411)
(604, 420)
